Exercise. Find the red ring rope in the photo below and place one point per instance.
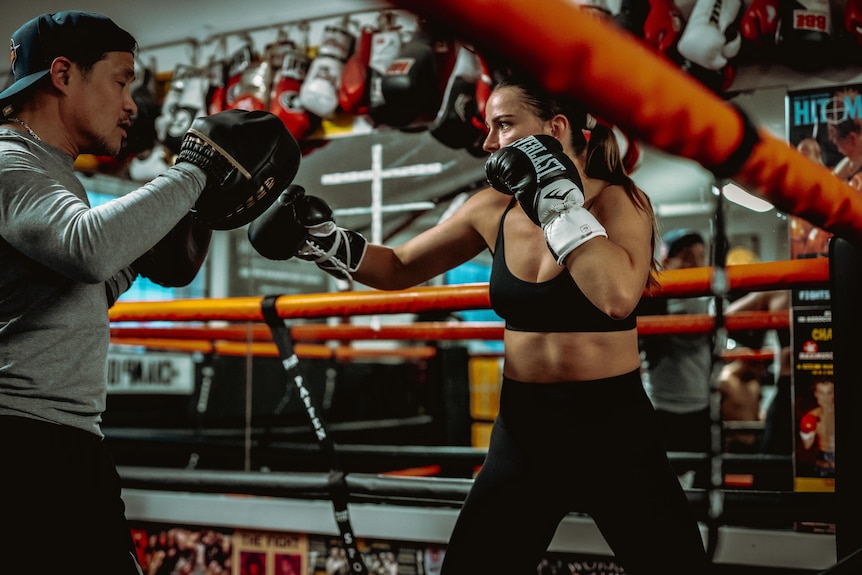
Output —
(647, 325)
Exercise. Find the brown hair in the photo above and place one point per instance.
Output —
(601, 151)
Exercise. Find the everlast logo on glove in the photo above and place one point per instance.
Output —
(547, 167)
(544, 162)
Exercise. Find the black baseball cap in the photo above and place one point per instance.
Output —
(72, 34)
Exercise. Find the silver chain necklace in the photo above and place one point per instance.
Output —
(26, 127)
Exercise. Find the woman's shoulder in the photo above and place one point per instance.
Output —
(484, 209)
(486, 201)
(616, 203)
(612, 195)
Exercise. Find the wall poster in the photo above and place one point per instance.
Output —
(825, 124)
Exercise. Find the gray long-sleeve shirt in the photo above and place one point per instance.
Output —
(62, 264)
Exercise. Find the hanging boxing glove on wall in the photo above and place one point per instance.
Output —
(353, 90)
(711, 36)
(239, 62)
(185, 101)
(709, 43)
(663, 26)
(217, 73)
(415, 81)
(484, 85)
(319, 92)
(251, 92)
(760, 23)
(483, 92)
(805, 37)
(851, 33)
(453, 126)
(385, 47)
(290, 63)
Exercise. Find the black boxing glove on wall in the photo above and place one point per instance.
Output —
(548, 186)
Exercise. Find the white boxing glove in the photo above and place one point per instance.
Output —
(319, 92)
(711, 36)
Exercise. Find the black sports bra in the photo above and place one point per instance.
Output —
(556, 305)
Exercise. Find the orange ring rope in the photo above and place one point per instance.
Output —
(416, 300)
(692, 282)
(676, 283)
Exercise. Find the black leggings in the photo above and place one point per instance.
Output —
(590, 447)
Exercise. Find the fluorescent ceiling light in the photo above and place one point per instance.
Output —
(674, 209)
(739, 196)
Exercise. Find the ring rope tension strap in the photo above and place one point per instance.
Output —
(337, 484)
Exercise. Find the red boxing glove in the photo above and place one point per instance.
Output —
(291, 67)
(663, 25)
(853, 20)
(353, 96)
(483, 91)
(808, 423)
(760, 21)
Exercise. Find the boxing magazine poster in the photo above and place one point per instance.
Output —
(269, 553)
(819, 122)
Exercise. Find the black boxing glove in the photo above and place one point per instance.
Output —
(303, 226)
(248, 157)
(177, 258)
(278, 234)
(548, 186)
(337, 251)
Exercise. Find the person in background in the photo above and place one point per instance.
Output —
(573, 240)
(679, 367)
(817, 429)
(63, 265)
(758, 390)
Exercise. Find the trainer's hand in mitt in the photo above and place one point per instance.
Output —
(177, 258)
(248, 157)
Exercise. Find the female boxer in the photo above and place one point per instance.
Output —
(573, 244)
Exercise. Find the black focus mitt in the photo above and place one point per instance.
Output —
(249, 157)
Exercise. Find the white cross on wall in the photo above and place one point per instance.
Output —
(376, 175)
